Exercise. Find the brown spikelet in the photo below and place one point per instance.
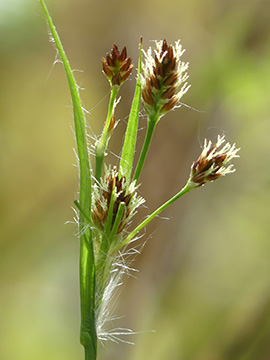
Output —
(170, 104)
(147, 97)
(112, 123)
(117, 67)
(168, 93)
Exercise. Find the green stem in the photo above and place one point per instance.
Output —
(88, 355)
(117, 221)
(102, 143)
(88, 336)
(182, 192)
(151, 124)
(108, 224)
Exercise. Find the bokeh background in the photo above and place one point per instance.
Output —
(202, 291)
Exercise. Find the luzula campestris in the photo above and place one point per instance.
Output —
(108, 202)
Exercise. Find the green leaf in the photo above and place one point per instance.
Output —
(79, 120)
(128, 150)
(87, 261)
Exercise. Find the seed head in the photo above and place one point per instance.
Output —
(164, 79)
(212, 162)
(117, 67)
(114, 189)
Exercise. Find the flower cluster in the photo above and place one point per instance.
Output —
(117, 67)
(164, 80)
(212, 162)
(112, 192)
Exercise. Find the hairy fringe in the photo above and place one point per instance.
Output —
(121, 266)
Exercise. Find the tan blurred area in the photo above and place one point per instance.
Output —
(202, 291)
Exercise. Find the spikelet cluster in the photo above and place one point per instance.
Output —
(212, 163)
(117, 66)
(164, 78)
(114, 189)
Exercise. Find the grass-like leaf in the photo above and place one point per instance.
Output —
(128, 150)
(87, 264)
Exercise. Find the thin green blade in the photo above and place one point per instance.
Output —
(79, 120)
(87, 262)
(128, 150)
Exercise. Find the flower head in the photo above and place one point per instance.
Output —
(164, 79)
(113, 192)
(117, 67)
(212, 163)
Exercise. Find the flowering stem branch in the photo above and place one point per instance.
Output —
(102, 143)
(182, 192)
(152, 121)
(117, 221)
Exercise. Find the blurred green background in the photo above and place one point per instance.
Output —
(203, 281)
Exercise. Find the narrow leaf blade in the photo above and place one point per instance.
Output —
(79, 120)
(128, 150)
(88, 336)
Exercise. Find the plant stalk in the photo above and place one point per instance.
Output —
(102, 143)
(88, 336)
(147, 141)
(182, 192)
